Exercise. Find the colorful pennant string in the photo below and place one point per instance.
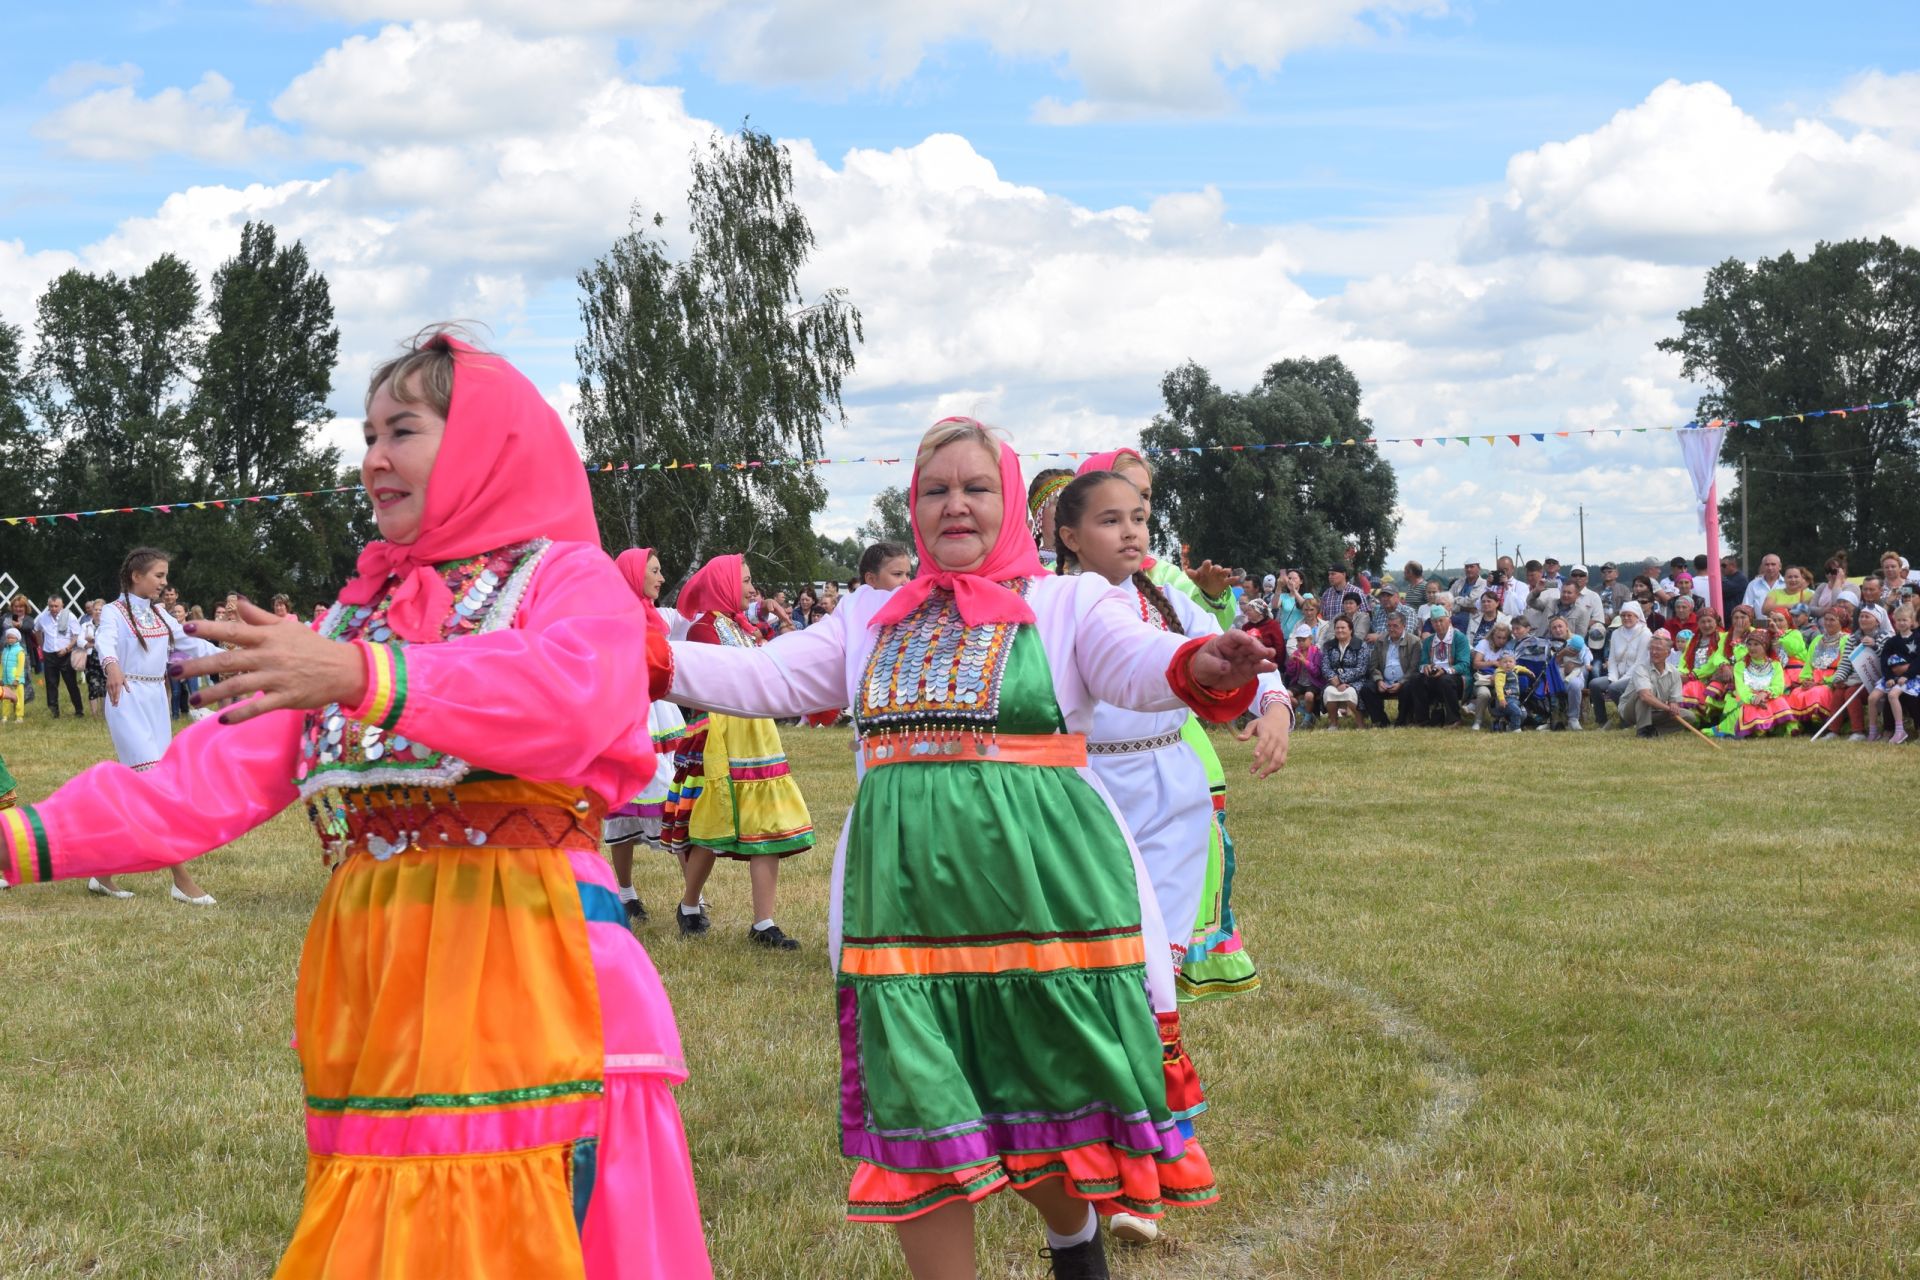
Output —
(752, 464)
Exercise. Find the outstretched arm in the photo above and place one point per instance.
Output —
(799, 673)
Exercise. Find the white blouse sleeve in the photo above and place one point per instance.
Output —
(797, 674)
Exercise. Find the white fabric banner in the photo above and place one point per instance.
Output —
(1700, 447)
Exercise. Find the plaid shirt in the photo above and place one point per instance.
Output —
(1330, 599)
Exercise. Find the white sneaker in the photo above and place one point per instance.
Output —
(1126, 1226)
(94, 886)
(1475, 726)
(204, 900)
(1576, 726)
(1858, 737)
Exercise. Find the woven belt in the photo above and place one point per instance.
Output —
(1058, 750)
(386, 829)
(1132, 745)
(149, 679)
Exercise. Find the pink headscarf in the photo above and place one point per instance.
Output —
(1105, 461)
(717, 588)
(979, 594)
(632, 564)
(506, 473)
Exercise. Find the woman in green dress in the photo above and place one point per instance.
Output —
(1003, 975)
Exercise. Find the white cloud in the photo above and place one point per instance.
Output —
(203, 122)
(1881, 101)
(452, 80)
(79, 77)
(1687, 176)
(1129, 56)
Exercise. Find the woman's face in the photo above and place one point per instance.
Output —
(402, 442)
(1137, 474)
(656, 577)
(1796, 581)
(1110, 537)
(281, 608)
(957, 506)
(1683, 607)
(747, 593)
(1832, 623)
(149, 582)
(1342, 631)
(1497, 639)
(93, 611)
(1709, 624)
(1310, 609)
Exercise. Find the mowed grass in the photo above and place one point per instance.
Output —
(1534, 1006)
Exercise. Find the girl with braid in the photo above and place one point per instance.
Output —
(1142, 757)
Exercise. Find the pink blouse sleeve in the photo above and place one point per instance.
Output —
(559, 696)
(215, 782)
(799, 673)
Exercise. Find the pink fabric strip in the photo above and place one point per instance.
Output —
(760, 773)
(454, 1133)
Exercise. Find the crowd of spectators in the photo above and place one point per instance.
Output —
(1551, 646)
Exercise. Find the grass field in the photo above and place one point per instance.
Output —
(1568, 1006)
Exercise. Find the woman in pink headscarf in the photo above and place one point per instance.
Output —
(734, 795)
(1005, 986)
(487, 1054)
(641, 819)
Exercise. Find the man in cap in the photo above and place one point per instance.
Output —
(1388, 603)
(1470, 586)
(1613, 592)
(1578, 577)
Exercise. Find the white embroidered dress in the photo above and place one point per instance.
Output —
(141, 639)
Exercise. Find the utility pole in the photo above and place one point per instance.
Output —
(1496, 552)
(1443, 558)
(1746, 557)
(1583, 534)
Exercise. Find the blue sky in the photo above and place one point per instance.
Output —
(1490, 210)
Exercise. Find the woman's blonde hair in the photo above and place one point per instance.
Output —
(952, 431)
(423, 372)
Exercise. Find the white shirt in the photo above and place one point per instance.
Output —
(1628, 648)
(58, 632)
(1757, 591)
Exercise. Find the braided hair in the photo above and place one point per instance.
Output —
(139, 560)
(1073, 508)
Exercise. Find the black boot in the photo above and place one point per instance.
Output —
(1082, 1262)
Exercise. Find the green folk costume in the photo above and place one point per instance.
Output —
(1005, 1013)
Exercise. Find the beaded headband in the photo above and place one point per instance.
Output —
(1047, 493)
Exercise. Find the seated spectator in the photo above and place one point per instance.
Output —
(1345, 661)
(1390, 604)
(1613, 592)
(1835, 587)
(1493, 664)
(1260, 624)
(1322, 628)
(1818, 692)
(1758, 707)
(1795, 595)
(1873, 600)
(1702, 656)
(1626, 650)
(1653, 699)
(1515, 592)
(1470, 584)
(1361, 619)
(1446, 664)
(1681, 620)
(1339, 589)
(1578, 576)
(1413, 583)
(1642, 594)
(1568, 652)
(1683, 584)
(1898, 575)
(1762, 584)
(1860, 669)
(1568, 604)
(1899, 689)
(1394, 664)
(1305, 674)
(1487, 618)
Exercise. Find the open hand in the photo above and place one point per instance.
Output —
(287, 666)
(1229, 660)
(1275, 731)
(1211, 578)
(116, 683)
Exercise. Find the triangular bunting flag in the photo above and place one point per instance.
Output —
(1516, 441)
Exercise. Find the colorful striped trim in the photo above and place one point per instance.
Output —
(27, 846)
(1007, 957)
(988, 1180)
(387, 671)
(496, 1098)
(757, 772)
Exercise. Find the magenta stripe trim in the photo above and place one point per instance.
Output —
(453, 1134)
(760, 773)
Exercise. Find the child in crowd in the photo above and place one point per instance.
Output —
(885, 566)
(1306, 674)
(13, 676)
(1900, 681)
(1507, 683)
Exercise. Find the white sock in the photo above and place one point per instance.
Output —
(763, 924)
(1081, 1236)
(627, 894)
(686, 910)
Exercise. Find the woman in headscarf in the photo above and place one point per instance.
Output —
(641, 818)
(734, 795)
(999, 957)
(488, 1055)
(1217, 961)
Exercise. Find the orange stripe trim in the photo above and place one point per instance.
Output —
(1005, 957)
(1060, 750)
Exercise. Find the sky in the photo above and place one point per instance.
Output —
(1491, 211)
